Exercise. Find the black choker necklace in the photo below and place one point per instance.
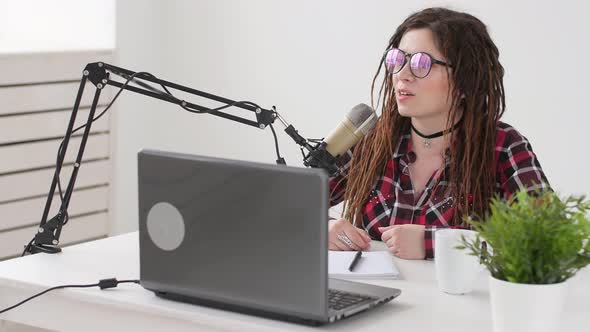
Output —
(427, 138)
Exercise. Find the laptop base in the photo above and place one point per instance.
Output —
(237, 308)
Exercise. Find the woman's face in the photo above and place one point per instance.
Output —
(429, 95)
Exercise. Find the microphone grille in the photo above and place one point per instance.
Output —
(359, 114)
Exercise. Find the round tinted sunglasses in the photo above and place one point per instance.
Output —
(420, 62)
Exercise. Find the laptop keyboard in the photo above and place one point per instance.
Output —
(339, 300)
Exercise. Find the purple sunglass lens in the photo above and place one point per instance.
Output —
(420, 63)
(394, 60)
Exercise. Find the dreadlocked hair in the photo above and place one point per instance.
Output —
(477, 90)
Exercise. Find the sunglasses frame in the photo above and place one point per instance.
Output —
(433, 61)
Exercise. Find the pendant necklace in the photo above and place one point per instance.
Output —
(427, 138)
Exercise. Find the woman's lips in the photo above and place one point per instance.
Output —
(403, 94)
(403, 98)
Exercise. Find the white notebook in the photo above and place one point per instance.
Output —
(372, 265)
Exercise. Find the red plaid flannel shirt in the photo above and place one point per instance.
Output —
(391, 202)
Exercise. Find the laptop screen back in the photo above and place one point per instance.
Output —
(235, 232)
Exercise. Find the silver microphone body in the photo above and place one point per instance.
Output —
(358, 122)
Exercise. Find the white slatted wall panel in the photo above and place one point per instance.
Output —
(37, 92)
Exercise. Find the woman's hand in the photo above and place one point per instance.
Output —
(342, 235)
(404, 241)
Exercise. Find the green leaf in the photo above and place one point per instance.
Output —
(536, 238)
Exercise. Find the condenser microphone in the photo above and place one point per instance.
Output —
(357, 123)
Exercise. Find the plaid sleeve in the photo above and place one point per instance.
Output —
(429, 241)
(338, 182)
(518, 166)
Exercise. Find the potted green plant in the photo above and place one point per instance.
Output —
(533, 245)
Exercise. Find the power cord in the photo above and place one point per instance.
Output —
(103, 284)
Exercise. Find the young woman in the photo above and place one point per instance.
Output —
(438, 152)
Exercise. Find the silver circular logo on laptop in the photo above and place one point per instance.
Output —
(165, 226)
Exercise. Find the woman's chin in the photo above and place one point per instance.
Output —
(404, 111)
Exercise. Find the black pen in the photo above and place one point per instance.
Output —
(355, 260)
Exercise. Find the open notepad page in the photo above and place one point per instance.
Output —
(372, 265)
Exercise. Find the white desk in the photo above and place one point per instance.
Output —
(421, 306)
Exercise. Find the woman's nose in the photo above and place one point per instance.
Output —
(405, 74)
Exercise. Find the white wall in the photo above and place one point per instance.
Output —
(315, 59)
(56, 25)
(140, 38)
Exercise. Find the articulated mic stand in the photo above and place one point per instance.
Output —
(47, 237)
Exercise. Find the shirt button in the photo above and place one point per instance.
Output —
(411, 157)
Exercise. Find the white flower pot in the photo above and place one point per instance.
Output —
(526, 307)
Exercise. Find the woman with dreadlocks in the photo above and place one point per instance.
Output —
(439, 151)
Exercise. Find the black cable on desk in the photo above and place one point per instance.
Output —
(103, 284)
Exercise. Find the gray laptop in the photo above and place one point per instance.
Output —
(242, 236)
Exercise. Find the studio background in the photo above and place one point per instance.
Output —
(313, 60)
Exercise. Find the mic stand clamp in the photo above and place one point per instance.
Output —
(45, 240)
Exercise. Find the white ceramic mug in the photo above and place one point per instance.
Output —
(456, 270)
